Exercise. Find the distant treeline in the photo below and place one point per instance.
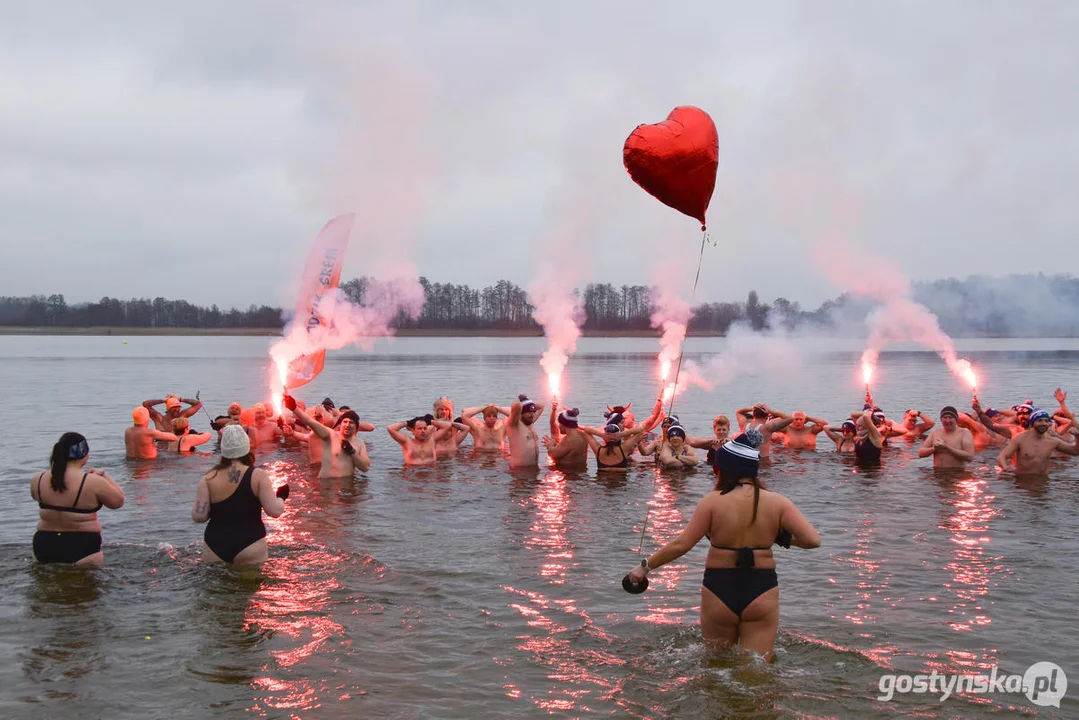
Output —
(1022, 306)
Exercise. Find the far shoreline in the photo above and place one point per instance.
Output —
(270, 332)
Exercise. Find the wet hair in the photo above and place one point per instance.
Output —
(759, 414)
(226, 463)
(61, 454)
(490, 410)
(727, 481)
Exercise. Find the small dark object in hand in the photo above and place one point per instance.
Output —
(282, 492)
(634, 588)
(783, 538)
(347, 447)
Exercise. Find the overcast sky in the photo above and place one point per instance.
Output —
(194, 149)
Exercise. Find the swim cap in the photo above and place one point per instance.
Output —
(568, 418)
(949, 410)
(739, 456)
(527, 406)
(172, 402)
(1039, 415)
(234, 442)
(849, 425)
(676, 430)
(878, 417)
(140, 415)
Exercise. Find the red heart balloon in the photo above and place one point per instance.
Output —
(675, 161)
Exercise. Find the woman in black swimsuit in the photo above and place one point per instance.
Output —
(69, 497)
(740, 593)
(232, 497)
(618, 444)
(869, 442)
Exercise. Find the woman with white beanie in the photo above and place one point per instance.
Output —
(232, 497)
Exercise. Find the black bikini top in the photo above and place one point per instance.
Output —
(72, 509)
(624, 462)
(745, 554)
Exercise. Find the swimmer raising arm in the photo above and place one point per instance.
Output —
(988, 422)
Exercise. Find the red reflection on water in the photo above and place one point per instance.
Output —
(293, 607)
(666, 521)
(970, 567)
(549, 527)
(871, 580)
(558, 627)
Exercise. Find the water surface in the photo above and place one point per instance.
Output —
(466, 591)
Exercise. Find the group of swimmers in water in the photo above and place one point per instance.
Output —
(741, 518)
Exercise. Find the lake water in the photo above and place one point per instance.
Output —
(465, 591)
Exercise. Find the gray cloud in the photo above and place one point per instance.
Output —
(193, 150)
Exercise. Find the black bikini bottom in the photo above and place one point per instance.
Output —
(65, 547)
(738, 587)
(227, 541)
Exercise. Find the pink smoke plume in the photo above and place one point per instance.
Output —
(376, 158)
(560, 312)
(671, 314)
(354, 324)
(864, 274)
(348, 323)
(900, 319)
(748, 353)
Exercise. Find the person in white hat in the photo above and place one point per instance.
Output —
(232, 497)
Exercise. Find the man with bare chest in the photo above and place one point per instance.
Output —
(1033, 448)
(951, 446)
(420, 447)
(522, 438)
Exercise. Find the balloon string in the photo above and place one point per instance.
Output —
(677, 372)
